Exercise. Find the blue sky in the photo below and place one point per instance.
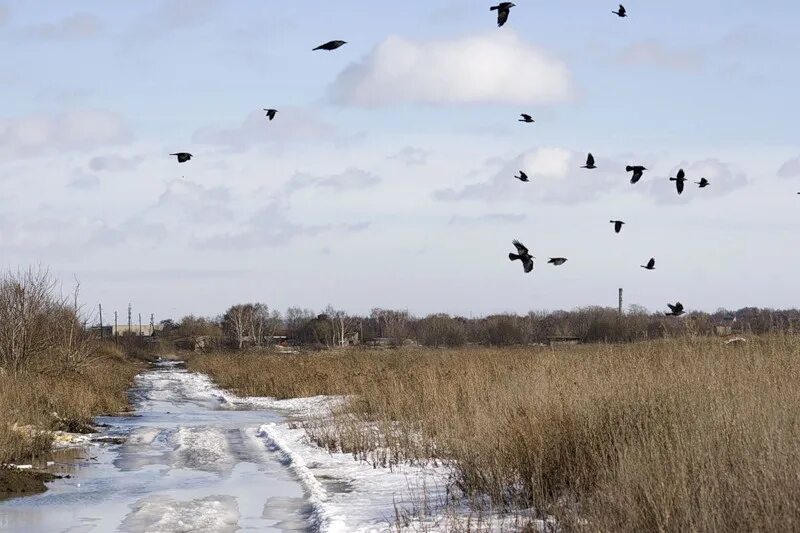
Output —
(386, 179)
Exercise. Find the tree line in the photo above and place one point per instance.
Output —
(256, 325)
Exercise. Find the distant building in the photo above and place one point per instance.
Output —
(145, 330)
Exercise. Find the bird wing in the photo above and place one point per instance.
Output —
(526, 116)
(521, 250)
(502, 15)
(678, 307)
(524, 176)
(651, 263)
(673, 308)
(679, 185)
(590, 160)
(637, 175)
(622, 9)
(527, 263)
(681, 174)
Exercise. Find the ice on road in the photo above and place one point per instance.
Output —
(193, 461)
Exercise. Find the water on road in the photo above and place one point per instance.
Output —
(191, 462)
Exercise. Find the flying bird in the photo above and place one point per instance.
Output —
(703, 183)
(526, 118)
(271, 113)
(651, 265)
(617, 225)
(675, 310)
(331, 45)
(681, 177)
(522, 177)
(557, 261)
(621, 12)
(503, 10)
(523, 255)
(183, 157)
(638, 172)
(589, 162)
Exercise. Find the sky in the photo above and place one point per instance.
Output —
(386, 179)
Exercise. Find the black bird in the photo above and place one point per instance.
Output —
(703, 183)
(557, 261)
(526, 118)
(183, 157)
(589, 162)
(621, 12)
(523, 255)
(522, 177)
(331, 45)
(617, 225)
(503, 9)
(638, 171)
(271, 113)
(651, 265)
(679, 180)
(676, 310)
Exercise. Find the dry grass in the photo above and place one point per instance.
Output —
(40, 400)
(670, 435)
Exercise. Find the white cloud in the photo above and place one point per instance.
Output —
(790, 169)
(497, 68)
(412, 156)
(83, 181)
(73, 27)
(114, 163)
(724, 179)
(654, 54)
(74, 130)
(350, 179)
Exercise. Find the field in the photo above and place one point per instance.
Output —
(669, 435)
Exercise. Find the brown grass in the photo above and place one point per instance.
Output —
(41, 400)
(673, 435)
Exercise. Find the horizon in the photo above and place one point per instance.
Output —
(386, 178)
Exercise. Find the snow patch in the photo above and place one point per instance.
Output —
(157, 513)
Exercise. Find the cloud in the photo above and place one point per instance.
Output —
(198, 203)
(70, 236)
(489, 218)
(173, 15)
(83, 181)
(74, 130)
(74, 27)
(291, 125)
(5, 14)
(790, 169)
(652, 53)
(723, 178)
(555, 175)
(412, 156)
(350, 179)
(114, 163)
(493, 68)
(271, 226)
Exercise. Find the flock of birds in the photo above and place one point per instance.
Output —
(523, 253)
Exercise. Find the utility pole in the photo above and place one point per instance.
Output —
(620, 301)
(116, 329)
(130, 327)
(100, 308)
(140, 324)
(152, 325)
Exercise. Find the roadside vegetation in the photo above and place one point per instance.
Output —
(54, 373)
(676, 434)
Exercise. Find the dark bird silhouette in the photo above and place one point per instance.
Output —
(651, 265)
(522, 177)
(679, 180)
(589, 162)
(503, 10)
(526, 118)
(638, 172)
(617, 225)
(523, 255)
(703, 183)
(621, 12)
(557, 261)
(331, 45)
(183, 157)
(675, 310)
(271, 113)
